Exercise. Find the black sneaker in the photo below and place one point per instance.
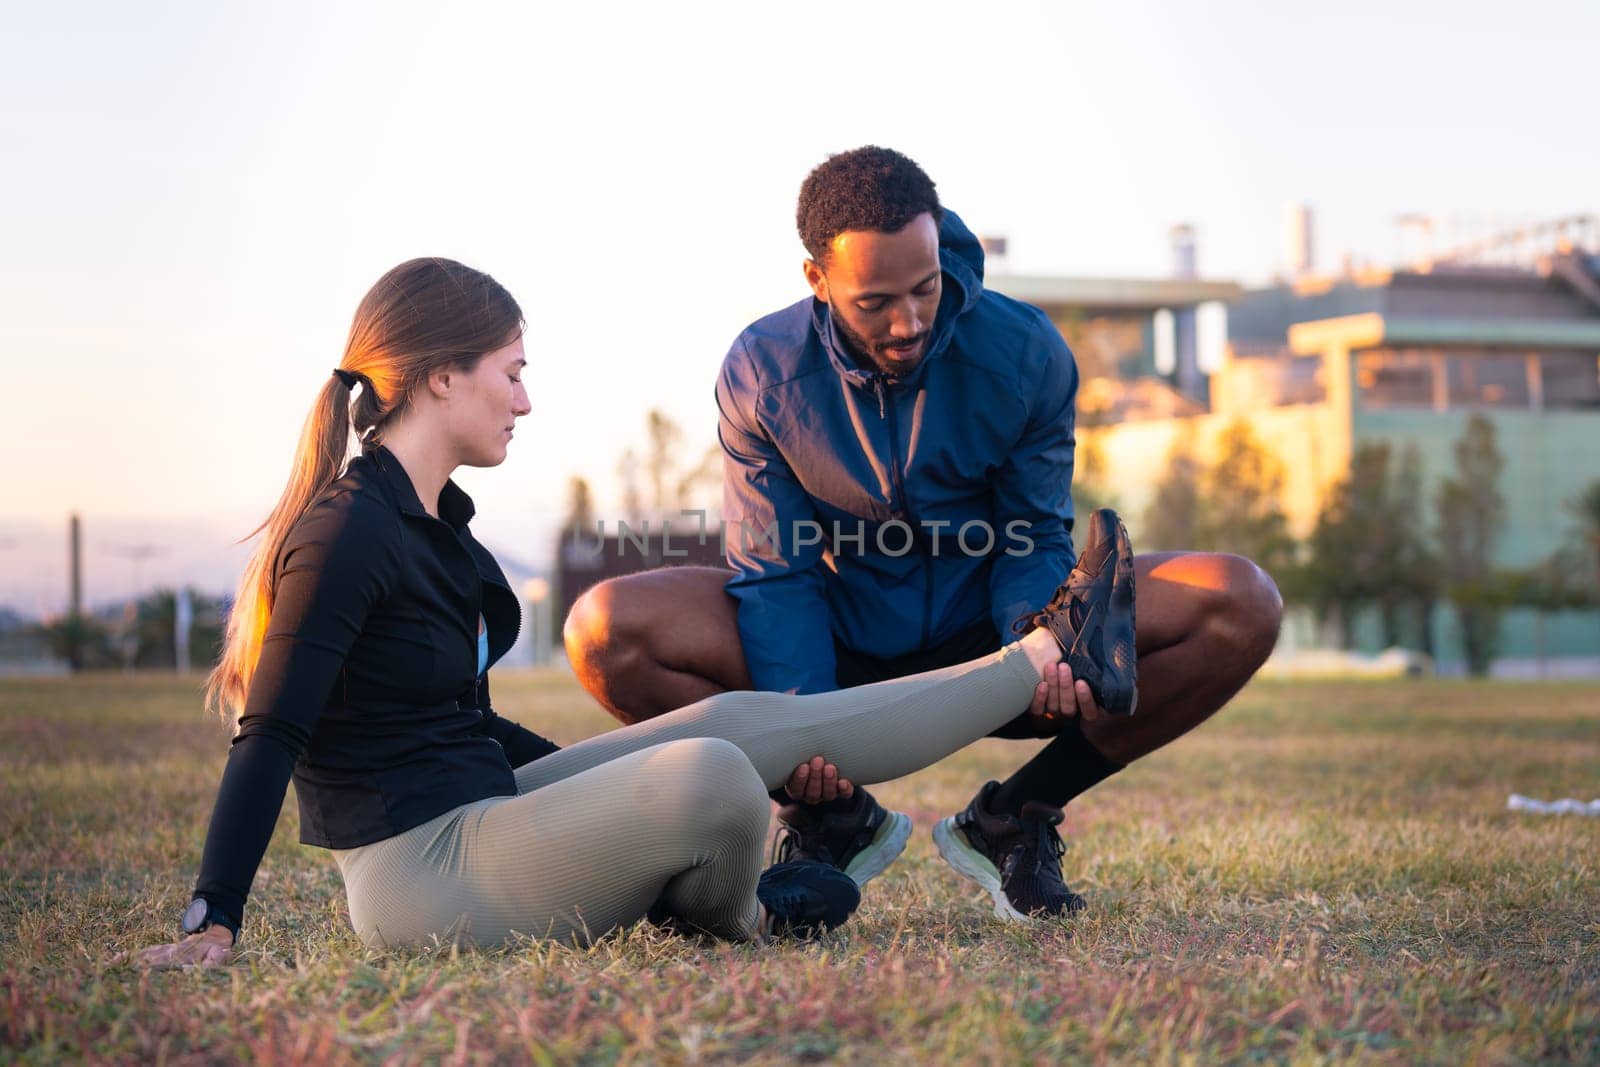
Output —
(1091, 615)
(1018, 860)
(861, 840)
(804, 898)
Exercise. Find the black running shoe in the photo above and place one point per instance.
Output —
(861, 840)
(804, 898)
(1018, 860)
(1091, 615)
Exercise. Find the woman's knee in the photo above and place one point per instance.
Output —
(712, 779)
(721, 767)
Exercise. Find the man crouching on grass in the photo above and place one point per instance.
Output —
(909, 435)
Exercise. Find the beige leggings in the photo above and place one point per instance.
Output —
(674, 808)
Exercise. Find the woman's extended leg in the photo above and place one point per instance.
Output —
(684, 823)
(873, 732)
(603, 829)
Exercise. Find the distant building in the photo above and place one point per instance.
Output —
(1322, 365)
(1128, 330)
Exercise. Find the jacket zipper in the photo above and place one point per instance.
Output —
(472, 628)
(888, 411)
(484, 581)
(473, 624)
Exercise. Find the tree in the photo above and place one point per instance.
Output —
(1413, 568)
(1231, 506)
(632, 500)
(1340, 575)
(154, 636)
(704, 481)
(1586, 509)
(674, 486)
(665, 437)
(1569, 577)
(1241, 506)
(141, 633)
(1471, 518)
(1089, 490)
(84, 636)
(1173, 518)
(1564, 580)
(1367, 548)
(580, 509)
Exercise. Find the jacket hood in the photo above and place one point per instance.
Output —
(961, 260)
(961, 256)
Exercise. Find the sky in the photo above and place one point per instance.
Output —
(196, 196)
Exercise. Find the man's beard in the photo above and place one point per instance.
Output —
(875, 357)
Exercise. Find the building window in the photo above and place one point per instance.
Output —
(1467, 378)
(1571, 380)
(1388, 379)
(1488, 380)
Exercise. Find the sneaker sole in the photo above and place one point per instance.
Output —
(972, 865)
(1111, 623)
(886, 846)
(1122, 631)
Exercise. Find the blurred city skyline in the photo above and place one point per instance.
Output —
(202, 193)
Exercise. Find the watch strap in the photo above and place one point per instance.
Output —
(202, 913)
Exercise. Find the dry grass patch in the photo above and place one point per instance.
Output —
(1326, 873)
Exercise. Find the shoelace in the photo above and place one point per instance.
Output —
(1069, 597)
(1046, 842)
(1049, 841)
(784, 844)
(790, 840)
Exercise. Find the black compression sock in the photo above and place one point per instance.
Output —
(1065, 767)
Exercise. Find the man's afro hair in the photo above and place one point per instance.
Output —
(867, 188)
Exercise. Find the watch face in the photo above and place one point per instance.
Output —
(194, 920)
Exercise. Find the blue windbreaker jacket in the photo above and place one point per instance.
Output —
(847, 495)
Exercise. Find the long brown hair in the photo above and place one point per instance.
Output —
(422, 316)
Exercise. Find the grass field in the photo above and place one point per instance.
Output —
(1325, 873)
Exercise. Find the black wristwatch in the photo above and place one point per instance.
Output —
(201, 914)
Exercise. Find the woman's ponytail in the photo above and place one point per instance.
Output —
(319, 460)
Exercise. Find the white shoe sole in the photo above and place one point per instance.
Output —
(886, 846)
(972, 865)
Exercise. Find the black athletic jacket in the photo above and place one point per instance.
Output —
(367, 689)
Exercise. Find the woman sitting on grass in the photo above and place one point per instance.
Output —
(355, 663)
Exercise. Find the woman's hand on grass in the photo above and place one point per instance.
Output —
(211, 947)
